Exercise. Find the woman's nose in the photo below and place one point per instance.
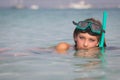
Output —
(85, 43)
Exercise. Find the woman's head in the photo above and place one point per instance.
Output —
(87, 34)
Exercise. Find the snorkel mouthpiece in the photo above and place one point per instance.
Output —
(102, 39)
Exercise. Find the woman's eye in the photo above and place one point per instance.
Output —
(81, 37)
(92, 40)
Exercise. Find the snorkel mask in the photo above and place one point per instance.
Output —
(94, 28)
(84, 25)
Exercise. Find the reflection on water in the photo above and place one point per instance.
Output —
(49, 65)
(92, 53)
(93, 68)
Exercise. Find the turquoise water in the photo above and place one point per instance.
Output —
(23, 30)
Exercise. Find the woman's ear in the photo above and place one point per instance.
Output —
(97, 44)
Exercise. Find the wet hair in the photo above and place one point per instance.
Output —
(77, 31)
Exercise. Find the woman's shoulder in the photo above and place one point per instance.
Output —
(62, 46)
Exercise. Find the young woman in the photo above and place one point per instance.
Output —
(86, 35)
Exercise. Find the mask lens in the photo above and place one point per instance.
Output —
(95, 28)
(83, 25)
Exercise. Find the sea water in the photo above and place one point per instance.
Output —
(22, 31)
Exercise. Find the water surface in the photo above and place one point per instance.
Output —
(23, 30)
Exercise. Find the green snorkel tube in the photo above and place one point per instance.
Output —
(102, 40)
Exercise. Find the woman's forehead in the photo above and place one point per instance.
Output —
(87, 35)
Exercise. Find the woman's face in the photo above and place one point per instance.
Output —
(86, 41)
